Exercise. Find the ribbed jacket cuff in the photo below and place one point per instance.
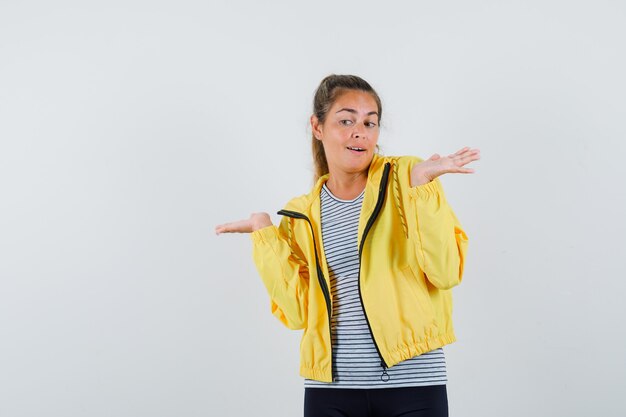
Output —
(265, 234)
(425, 191)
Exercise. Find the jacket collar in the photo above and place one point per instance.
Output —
(310, 203)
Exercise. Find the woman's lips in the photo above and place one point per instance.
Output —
(356, 149)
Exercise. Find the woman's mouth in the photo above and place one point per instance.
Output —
(356, 149)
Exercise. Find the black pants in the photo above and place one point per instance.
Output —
(426, 401)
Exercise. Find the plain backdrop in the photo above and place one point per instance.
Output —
(130, 129)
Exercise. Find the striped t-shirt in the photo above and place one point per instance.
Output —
(356, 363)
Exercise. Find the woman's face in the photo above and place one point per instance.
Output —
(350, 132)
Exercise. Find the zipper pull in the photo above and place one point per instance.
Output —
(384, 376)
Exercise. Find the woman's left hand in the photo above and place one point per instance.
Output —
(428, 170)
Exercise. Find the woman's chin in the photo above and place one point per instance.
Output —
(357, 165)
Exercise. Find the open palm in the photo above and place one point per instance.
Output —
(437, 165)
(255, 222)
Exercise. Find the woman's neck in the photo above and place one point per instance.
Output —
(346, 186)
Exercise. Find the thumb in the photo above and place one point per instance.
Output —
(434, 157)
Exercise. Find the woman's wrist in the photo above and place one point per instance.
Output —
(419, 180)
(261, 221)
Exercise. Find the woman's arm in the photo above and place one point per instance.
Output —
(441, 241)
(284, 272)
(280, 263)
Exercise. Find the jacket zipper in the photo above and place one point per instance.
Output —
(379, 203)
(320, 277)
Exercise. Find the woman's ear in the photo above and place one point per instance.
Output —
(316, 128)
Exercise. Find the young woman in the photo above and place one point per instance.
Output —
(364, 264)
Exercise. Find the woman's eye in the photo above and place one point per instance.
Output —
(349, 122)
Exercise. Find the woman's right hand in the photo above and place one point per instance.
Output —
(255, 222)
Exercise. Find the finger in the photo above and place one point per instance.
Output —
(460, 151)
(230, 227)
(474, 156)
(221, 228)
(461, 160)
(469, 152)
(471, 157)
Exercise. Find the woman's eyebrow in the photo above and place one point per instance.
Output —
(354, 111)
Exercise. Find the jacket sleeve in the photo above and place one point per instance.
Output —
(441, 241)
(284, 272)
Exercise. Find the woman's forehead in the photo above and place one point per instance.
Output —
(355, 102)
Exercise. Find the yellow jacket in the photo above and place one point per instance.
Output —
(412, 251)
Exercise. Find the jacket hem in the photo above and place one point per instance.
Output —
(405, 352)
(398, 355)
(318, 374)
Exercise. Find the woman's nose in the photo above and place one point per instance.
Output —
(358, 132)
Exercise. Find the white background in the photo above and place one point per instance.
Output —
(130, 129)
